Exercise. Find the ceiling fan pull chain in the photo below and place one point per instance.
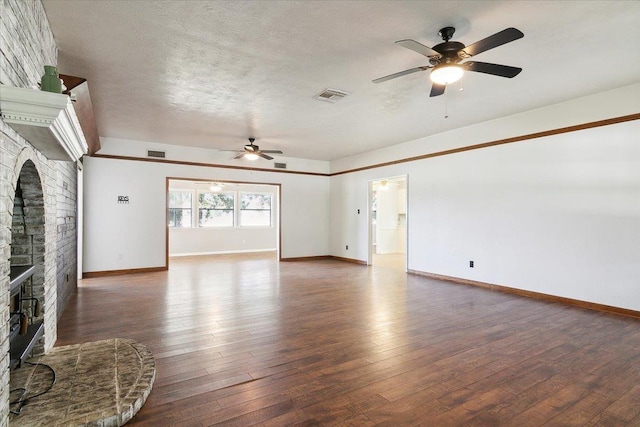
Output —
(446, 105)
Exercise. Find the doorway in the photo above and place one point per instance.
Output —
(388, 223)
(215, 217)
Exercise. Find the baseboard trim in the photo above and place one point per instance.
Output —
(247, 251)
(323, 257)
(90, 274)
(351, 260)
(532, 294)
(305, 258)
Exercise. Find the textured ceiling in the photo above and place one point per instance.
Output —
(211, 74)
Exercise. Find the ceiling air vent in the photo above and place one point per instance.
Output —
(331, 95)
(157, 154)
(280, 165)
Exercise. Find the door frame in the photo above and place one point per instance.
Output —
(370, 224)
(79, 219)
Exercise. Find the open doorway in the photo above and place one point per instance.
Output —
(388, 223)
(212, 217)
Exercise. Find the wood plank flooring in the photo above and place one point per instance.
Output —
(242, 340)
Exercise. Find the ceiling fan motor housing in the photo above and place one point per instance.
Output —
(251, 146)
(450, 52)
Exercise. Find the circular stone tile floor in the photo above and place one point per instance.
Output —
(101, 383)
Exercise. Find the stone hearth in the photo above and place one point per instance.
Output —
(38, 193)
(99, 383)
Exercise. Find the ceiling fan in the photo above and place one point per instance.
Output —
(216, 187)
(253, 152)
(445, 58)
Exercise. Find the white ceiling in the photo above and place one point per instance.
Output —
(212, 73)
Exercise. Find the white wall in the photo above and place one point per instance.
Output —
(558, 215)
(201, 241)
(127, 147)
(212, 240)
(600, 106)
(132, 236)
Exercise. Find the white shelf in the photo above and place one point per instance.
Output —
(47, 120)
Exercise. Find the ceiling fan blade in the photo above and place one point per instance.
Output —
(493, 69)
(271, 151)
(251, 148)
(437, 90)
(264, 156)
(418, 47)
(239, 156)
(400, 74)
(498, 39)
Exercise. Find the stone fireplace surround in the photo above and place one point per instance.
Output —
(45, 234)
(27, 46)
(33, 167)
(27, 249)
(100, 383)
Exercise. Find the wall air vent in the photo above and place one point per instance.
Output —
(331, 95)
(156, 154)
(280, 165)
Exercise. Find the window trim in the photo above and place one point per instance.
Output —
(198, 208)
(237, 209)
(271, 216)
(169, 207)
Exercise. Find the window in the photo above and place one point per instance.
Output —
(216, 209)
(255, 209)
(180, 205)
(209, 209)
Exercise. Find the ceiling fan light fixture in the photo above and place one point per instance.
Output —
(446, 74)
(251, 156)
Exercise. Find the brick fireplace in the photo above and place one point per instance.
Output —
(40, 229)
(29, 237)
(27, 267)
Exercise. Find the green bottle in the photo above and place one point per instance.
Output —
(50, 81)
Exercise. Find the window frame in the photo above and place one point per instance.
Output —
(237, 210)
(240, 209)
(191, 208)
(199, 208)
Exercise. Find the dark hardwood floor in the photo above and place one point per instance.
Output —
(242, 340)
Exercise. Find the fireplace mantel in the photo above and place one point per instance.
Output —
(47, 120)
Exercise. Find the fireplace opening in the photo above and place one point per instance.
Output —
(24, 327)
(26, 283)
(26, 277)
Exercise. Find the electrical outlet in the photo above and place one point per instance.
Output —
(358, 211)
(471, 264)
(347, 247)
